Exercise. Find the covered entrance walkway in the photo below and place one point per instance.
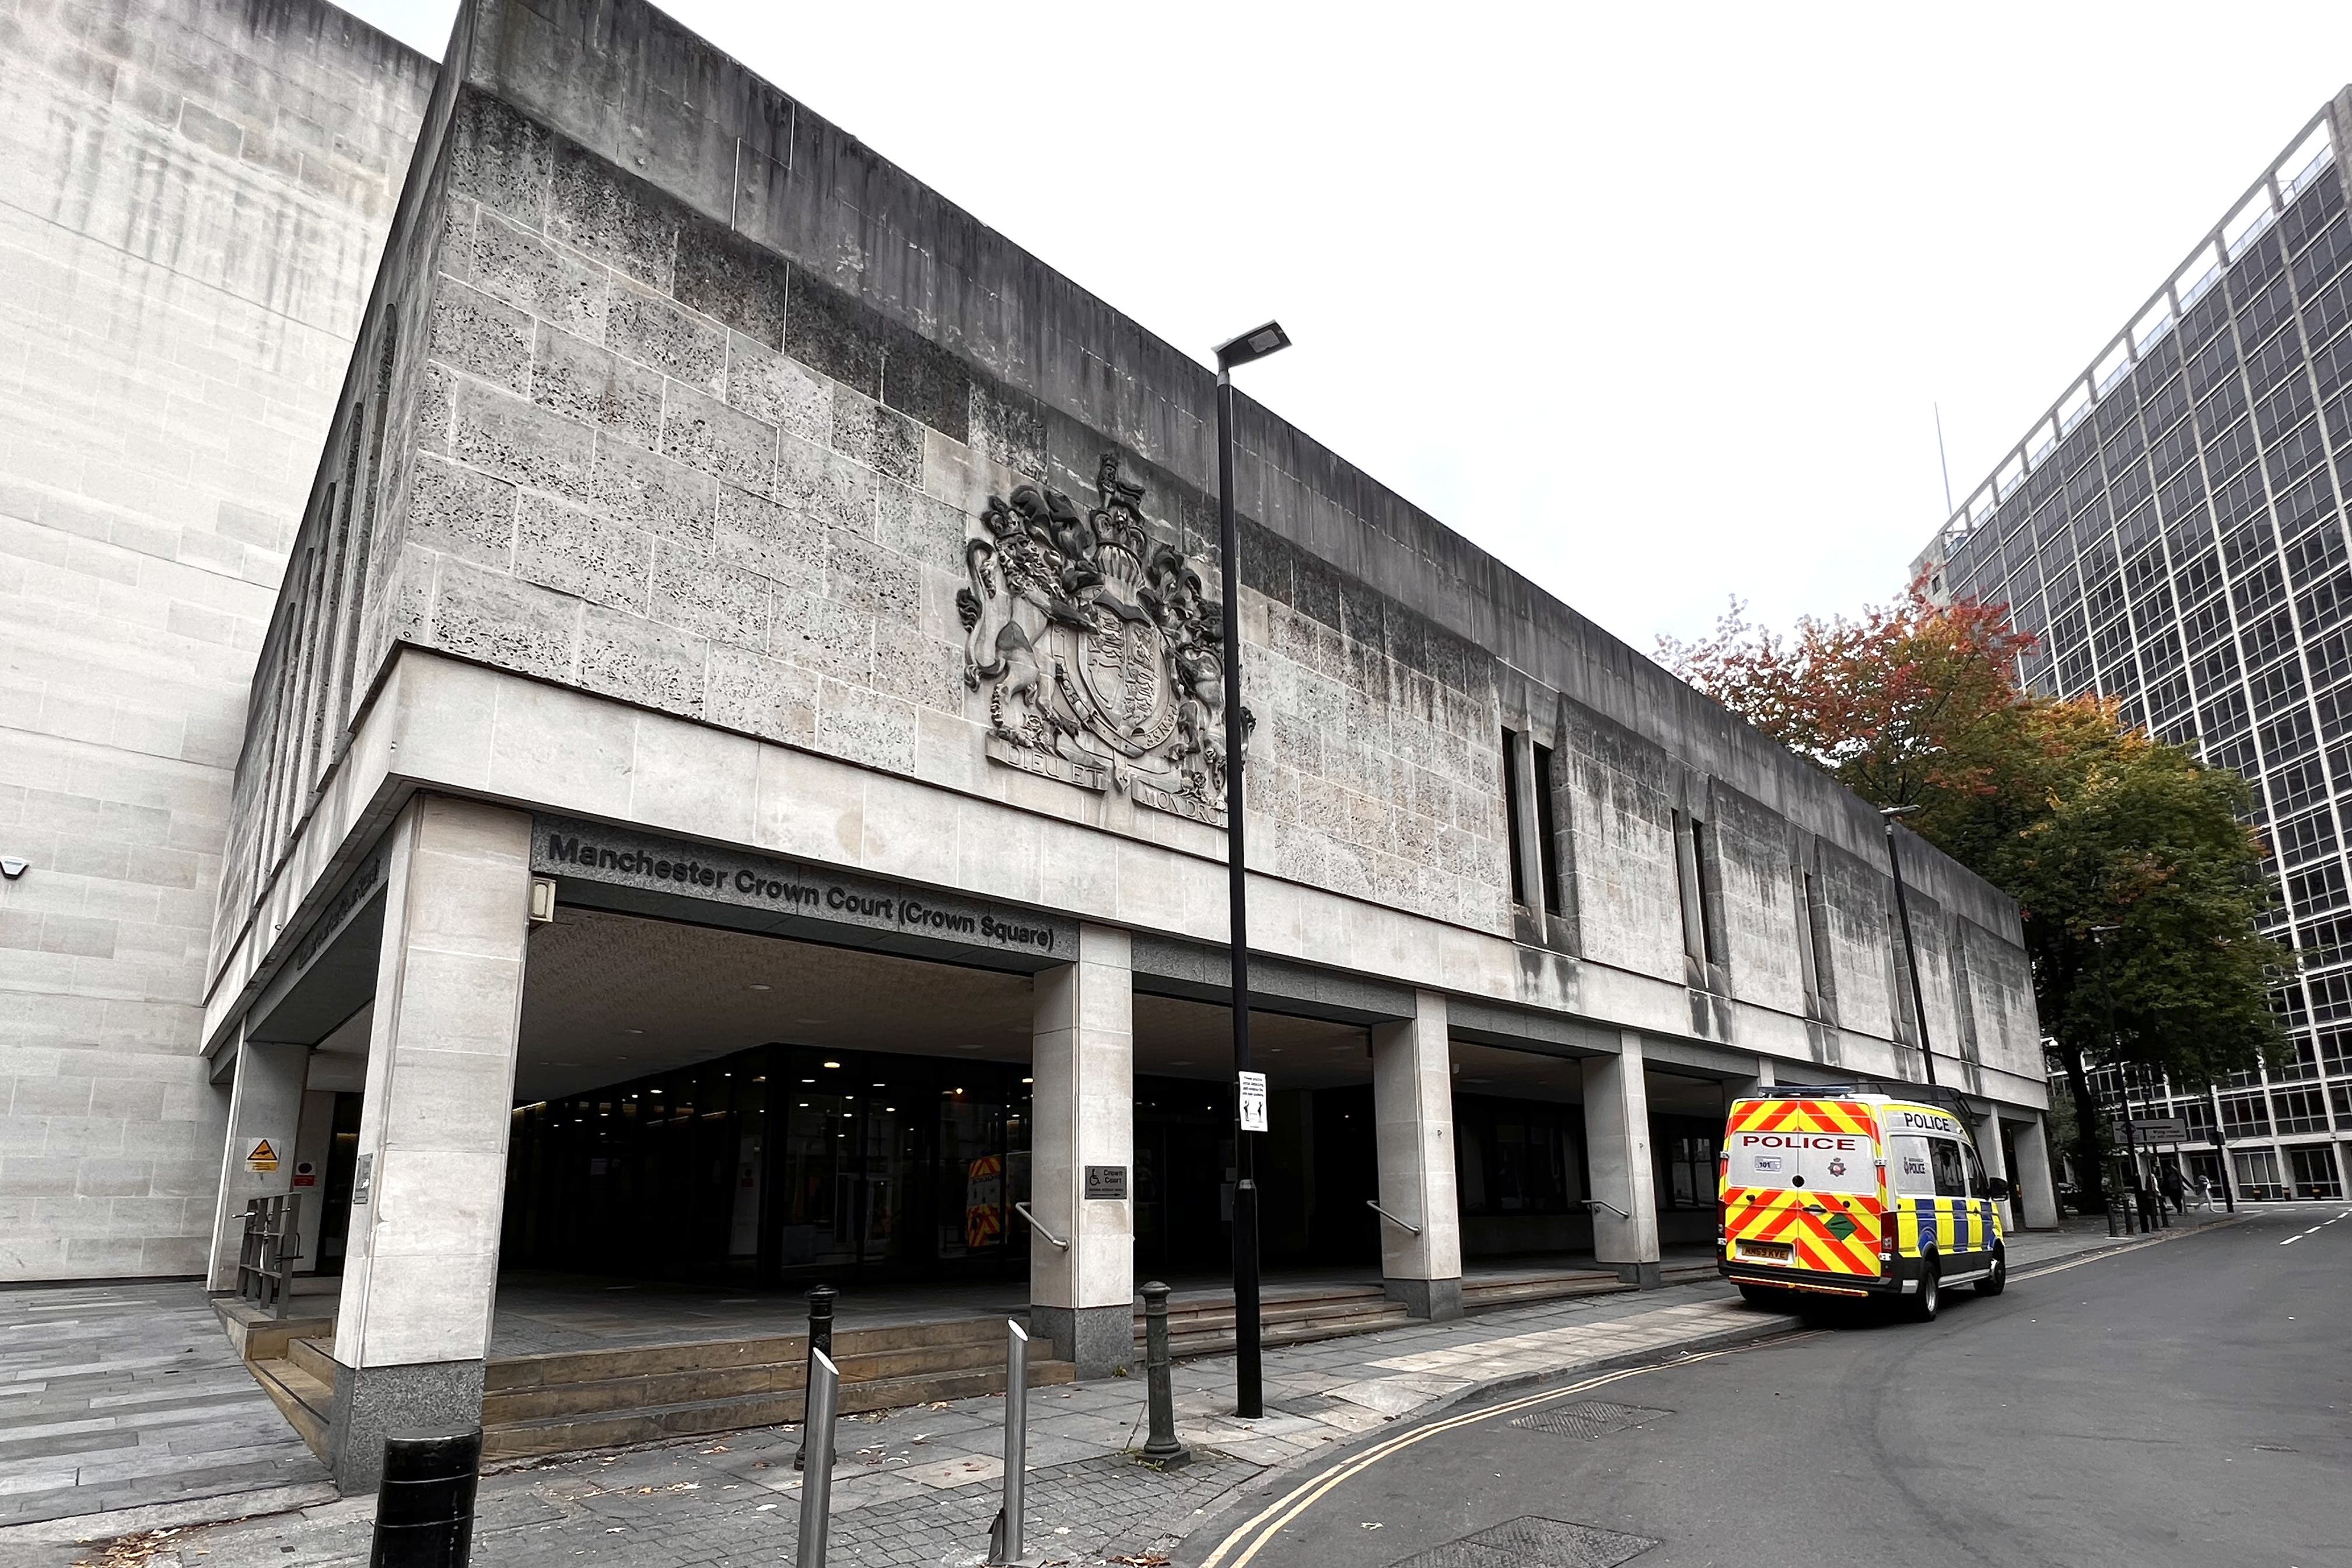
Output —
(714, 1104)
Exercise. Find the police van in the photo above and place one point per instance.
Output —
(1856, 1192)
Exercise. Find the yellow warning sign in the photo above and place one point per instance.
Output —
(262, 1159)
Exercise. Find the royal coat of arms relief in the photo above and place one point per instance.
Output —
(1100, 655)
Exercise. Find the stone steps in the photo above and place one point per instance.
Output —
(703, 1355)
(307, 1401)
(315, 1357)
(647, 1423)
(570, 1400)
(1206, 1326)
(573, 1400)
(1490, 1295)
(621, 1385)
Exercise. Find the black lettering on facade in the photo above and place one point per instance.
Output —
(784, 888)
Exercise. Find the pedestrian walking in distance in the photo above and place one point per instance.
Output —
(2175, 1188)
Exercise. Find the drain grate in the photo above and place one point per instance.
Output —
(1590, 1418)
(1532, 1543)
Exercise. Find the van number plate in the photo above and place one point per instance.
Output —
(1771, 1251)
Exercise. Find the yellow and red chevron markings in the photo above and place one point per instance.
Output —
(1804, 1116)
(1772, 1213)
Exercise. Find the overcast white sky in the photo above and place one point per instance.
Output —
(1653, 302)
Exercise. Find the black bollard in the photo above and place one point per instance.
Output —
(1163, 1448)
(425, 1508)
(820, 1343)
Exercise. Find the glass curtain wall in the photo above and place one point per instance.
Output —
(777, 1164)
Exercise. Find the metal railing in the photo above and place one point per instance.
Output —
(268, 1251)
(1039, 1227)
(1405, 1225)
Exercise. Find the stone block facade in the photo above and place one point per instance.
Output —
(691, 468)
(192, 198)
(677, 397)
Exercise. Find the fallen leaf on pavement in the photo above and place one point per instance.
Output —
(148, 1546)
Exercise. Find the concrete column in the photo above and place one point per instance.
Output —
(420, 1277)
(264, 1106)
(1083, 1057)
(1996, 1163)
(2037, 1194)
(1749, 1086)
(1624, 1175)
(1412, 1115)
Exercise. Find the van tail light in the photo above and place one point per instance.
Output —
(1723, 1202)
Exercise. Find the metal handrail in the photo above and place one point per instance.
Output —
(1404, 1225)
(1039, 1227)
(1605, 1203)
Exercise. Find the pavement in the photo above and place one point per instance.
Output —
(115, 1396)
(920, 1486)
(2168, 1404)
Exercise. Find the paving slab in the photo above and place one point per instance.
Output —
(123, 1395)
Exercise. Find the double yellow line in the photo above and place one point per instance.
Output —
(1253, 1536)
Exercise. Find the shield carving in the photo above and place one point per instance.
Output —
(1126, 693)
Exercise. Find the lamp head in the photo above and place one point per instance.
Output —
(1892, 812)
(1253, 344)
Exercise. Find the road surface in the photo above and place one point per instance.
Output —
(2188, 1403)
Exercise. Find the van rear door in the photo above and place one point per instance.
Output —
(1801, 1186)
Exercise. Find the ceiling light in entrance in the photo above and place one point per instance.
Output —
(755, 985)
(832, 1064)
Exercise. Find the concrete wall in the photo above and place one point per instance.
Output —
(695, 404)
(192, 199)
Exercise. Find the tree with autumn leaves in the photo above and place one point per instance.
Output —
(2138, 878)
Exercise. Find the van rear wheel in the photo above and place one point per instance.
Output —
(1771, 1297)
(1930, 1297)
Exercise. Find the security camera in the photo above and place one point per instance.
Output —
(12, 867)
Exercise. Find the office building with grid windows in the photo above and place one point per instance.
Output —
(2173, 530)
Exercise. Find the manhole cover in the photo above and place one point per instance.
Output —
(1591, 1418)
(1532, 1543)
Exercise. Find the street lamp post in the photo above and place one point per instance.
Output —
(1910, 955)
(1249, 1379)
(2221, 1147)
(2099, 934)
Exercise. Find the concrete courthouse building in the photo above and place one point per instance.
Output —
(730, 791)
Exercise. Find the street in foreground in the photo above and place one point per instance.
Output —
(2179, 1405)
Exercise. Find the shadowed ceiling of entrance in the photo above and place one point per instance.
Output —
(609, 996)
